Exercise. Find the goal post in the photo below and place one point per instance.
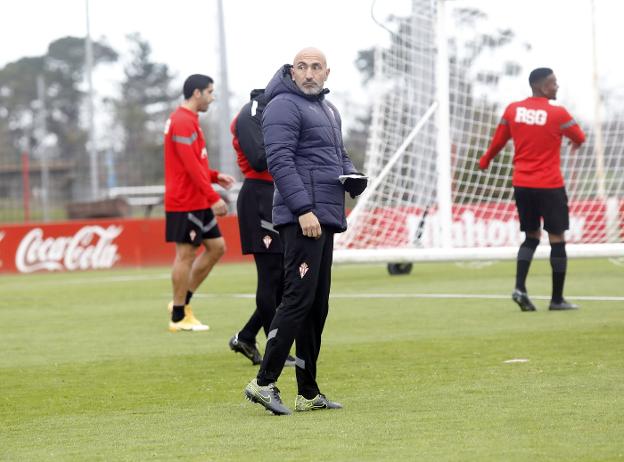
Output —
(442, 82)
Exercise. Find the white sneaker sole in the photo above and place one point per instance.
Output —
(197, 328)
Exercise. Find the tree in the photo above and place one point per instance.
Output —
(146, 101)
(62, 69)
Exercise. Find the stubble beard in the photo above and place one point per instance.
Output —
(312, 90)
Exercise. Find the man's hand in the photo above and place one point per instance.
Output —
(310, 225)
(220, 208)
(574, 147)
(225, 181)
(484, 163)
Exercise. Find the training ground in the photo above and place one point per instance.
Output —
(438, 365)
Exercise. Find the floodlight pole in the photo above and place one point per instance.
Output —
(43, 151)
(611, 203)
(598, 142)
(90, 108)
(226, 157)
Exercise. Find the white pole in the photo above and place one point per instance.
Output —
(226, 156)
(598, 142)
(443, 143)
(611, 203)
(90, 108)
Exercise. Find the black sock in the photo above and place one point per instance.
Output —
(189, 295)
(177, 313)
(559, 264)
(525, 256)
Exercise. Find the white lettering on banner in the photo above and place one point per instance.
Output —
(90, 248)
(2, 234)
(490, 232)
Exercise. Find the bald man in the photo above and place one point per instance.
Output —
(306, 157)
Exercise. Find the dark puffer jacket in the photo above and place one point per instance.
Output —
(305, 153)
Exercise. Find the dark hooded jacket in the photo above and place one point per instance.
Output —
(305, 153)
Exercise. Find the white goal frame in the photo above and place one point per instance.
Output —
(349, 252)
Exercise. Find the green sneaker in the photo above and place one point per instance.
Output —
(562, 305)
(318, 402)
(267, 396)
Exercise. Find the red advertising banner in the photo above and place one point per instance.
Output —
(483, 225)
(97, 244)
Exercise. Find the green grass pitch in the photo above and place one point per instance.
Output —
(88, 370)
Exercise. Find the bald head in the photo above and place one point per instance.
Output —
(310, 53)
(310, 70)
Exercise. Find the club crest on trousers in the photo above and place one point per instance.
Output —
(267, 241)
(303, 269)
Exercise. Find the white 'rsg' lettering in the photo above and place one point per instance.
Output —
(531, 116)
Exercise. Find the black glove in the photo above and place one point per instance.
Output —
(355, 186)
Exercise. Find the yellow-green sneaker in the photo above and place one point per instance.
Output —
(188, 313)
(314, 404)
(188, 324)
(267, 396)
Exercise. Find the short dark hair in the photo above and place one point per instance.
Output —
(196, 82)
(539, 74)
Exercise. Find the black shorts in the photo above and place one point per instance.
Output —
(549, 204)
(191, 227)
(255, 207)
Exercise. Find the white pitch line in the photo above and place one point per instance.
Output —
(147, 277)
(129, 278)
(431, 296)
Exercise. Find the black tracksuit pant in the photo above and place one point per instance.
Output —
(301, 315)
(268, 295)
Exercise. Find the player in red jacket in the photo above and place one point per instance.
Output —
(537, 128)
(257, 234)
(190, 201)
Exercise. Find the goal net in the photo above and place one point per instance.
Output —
(442, 82)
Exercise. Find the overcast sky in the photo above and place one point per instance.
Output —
(263, 34)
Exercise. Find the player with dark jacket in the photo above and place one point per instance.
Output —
(257, 233)
(306, 157)
(537, 128)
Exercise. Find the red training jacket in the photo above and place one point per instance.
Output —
(536, 127)
(188, 177)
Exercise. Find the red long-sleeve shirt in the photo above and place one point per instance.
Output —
(188, 177)
(536, 127)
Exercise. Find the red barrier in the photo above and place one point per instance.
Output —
(97, 244)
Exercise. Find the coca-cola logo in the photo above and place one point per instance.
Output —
(91, 247)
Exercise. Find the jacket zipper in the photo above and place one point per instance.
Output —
(336, 145)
